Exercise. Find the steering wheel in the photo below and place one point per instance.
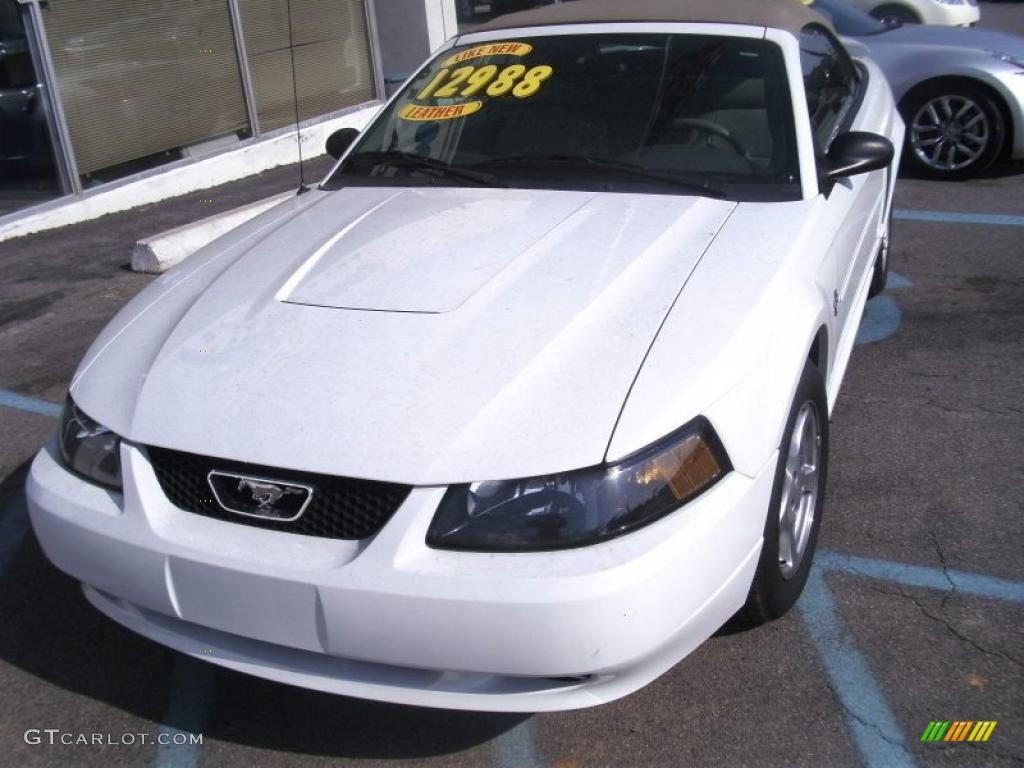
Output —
(711, 128)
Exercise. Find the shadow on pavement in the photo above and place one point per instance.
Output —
(1001, 169)
(271, 716)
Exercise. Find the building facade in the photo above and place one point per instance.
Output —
(93, 92)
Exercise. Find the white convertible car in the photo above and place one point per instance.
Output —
(523, 402)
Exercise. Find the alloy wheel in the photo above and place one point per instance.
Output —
(950, 132)
(801, 487)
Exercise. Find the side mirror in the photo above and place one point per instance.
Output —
(857, 152)
(341, 140)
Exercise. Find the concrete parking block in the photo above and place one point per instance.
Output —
(160, 252)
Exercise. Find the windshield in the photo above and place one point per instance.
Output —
(849, 21)
(668, 114)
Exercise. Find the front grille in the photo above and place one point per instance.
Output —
(341, 507)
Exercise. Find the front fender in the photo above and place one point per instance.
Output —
(735, 343)
(751, 417)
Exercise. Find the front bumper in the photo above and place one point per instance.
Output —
(389, 618)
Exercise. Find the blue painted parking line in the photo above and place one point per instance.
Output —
(188, 703)
(187, 709)
(13, 528)
(517, 747)
(974, 584)
(897, 282)
(10, 399)
(14, 514)
(873, 725)
(882, 318)
(882, 315)
(952, 217)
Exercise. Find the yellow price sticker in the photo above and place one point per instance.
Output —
(419, 113)
(468, 80)
(492, 49)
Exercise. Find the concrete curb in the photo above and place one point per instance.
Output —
(160, 252)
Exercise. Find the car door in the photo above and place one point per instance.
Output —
(834, 88)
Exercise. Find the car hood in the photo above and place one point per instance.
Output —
(418, 335)
(928, 35)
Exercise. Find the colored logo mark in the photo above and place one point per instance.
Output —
(958, 730)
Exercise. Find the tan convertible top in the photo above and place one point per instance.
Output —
(790, 15)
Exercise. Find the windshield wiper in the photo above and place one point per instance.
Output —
(581, 161)
(420, 163)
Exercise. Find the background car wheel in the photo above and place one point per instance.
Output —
(892, 13)
(794, 515)
(954, 130)
(881, 268)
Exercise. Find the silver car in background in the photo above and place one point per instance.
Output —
(960, 91)
(954, 13)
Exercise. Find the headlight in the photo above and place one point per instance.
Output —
(89, 448)
(582, 507)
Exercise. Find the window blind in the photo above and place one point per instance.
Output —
(333, 64)
(140, 77)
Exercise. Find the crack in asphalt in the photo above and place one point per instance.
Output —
(947, 624)
(860, 719)
(945, 569)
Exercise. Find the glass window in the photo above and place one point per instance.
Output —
(28, 174)
(651, 112)
(829, 82)
(332, 57)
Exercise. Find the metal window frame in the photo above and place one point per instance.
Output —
(248, 91)
(376, 60)
(60, 134)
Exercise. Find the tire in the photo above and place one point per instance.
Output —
(894, 12)
(881, 267)
(960, 116)
(779, 580)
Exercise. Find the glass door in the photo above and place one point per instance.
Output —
(28, 172)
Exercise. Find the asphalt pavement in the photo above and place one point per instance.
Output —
(913, 614)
